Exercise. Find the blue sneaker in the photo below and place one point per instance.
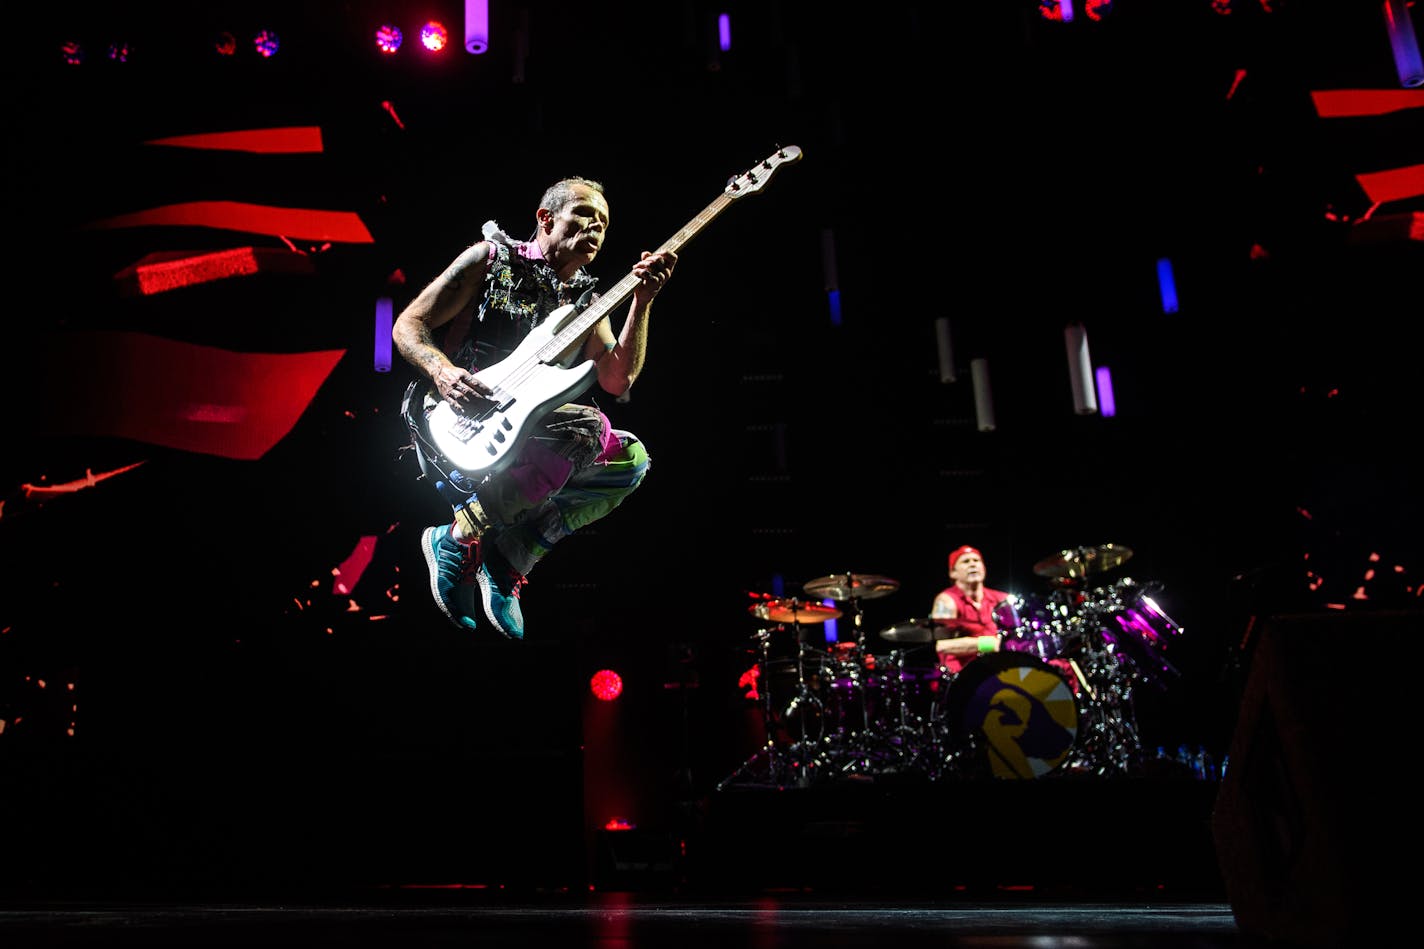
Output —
(499, 592)
(452, 574)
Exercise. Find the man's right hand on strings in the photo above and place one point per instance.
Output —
(458, 387)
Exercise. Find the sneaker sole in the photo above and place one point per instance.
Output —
(484, 580)
(433, 570)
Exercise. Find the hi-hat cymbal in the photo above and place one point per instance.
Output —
(850, 586)
(1078, 562)
(912, 631)
(793, 611)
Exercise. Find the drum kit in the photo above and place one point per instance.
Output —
(1056, 699)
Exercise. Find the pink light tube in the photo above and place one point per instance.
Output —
(476, 26)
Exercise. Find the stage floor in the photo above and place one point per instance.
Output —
(625, 921)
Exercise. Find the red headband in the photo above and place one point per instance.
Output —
(960, 552)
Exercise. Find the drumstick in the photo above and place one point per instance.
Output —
(1083, 679)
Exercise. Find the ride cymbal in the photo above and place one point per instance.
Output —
(851, 586)
(793, 611)
(1079, 562)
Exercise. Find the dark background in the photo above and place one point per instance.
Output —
(233, 719)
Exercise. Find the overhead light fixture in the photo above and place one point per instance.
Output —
(476, 26)
(267, 44)
(434, 36)
(389, 39)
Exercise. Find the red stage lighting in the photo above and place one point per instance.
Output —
(606, 684)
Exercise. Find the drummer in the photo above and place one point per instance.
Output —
(964, 612)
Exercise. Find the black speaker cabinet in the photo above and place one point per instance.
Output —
(1315, 819)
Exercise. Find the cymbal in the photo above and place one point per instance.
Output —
(1078, 562)
(793, 611)
(851, 586)
(912, 631)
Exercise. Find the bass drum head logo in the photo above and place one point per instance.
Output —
(1023, 713)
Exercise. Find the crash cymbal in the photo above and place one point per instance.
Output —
(1078, 562)
(912, 631)
(851, 586)
(793, 611)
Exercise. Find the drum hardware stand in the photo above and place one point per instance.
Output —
(855, 745)
(907, 739)
(782, 766)
(1111, 744)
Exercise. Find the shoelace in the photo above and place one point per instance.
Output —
(519, 581)
(473, 564)
(469, 561)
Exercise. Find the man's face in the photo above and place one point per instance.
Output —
(968, 567)
(578, 228)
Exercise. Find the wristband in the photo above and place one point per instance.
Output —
(988, 644)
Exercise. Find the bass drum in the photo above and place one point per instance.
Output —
(1010, 716)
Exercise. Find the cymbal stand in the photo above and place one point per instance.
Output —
(855, 744)
(906, 739)
(804, 759)
(767, 755)
(781, 766)
(941, 755)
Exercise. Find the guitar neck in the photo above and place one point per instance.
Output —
(579, 327)
(749, 182)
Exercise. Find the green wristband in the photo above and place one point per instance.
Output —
(988, 644)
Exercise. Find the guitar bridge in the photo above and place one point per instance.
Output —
(466, 428)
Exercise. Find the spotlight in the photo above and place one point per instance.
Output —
(267, 44)
(606, 684)
(434, 36)
(389, 39)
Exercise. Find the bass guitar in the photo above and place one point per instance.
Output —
(483, 437)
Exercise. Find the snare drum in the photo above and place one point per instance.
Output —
(1011, 715)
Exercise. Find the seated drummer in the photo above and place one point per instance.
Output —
(964, 612)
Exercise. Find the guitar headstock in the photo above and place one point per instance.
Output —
(754, 179)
